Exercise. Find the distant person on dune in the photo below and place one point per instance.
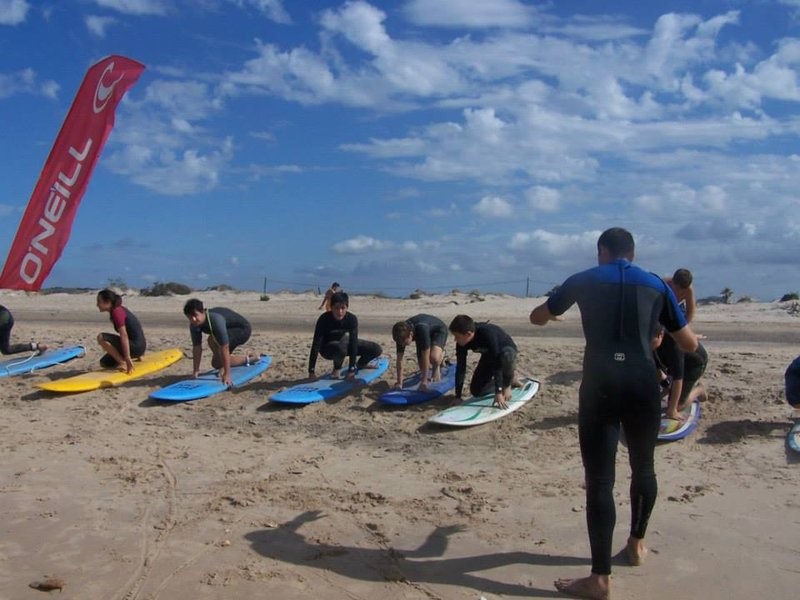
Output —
(429, 334)
(6, 347)
(326, 300)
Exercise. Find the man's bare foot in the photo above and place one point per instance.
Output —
(41, 348)
(594, 587)
(636, 551)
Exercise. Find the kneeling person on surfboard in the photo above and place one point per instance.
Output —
(226, 329)
(6, 347)
(336, 337)
(128, 342)
(495, 371)
(683, 370)
(430, 336)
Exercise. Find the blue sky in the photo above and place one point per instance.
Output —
(431, 144)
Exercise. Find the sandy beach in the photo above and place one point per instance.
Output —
(229, 497)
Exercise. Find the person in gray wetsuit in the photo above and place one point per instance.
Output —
(226, 331)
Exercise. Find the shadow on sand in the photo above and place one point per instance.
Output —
(418, 566)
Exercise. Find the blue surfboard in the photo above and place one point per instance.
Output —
(409, 394)
(326, 388)
(33, 362)
(671, 430)
(209, 383)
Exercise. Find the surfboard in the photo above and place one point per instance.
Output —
(85, 382)
(208, 383)
(410, 394)
(326, 388)
(482, 409)
(671, 430)
(33, 362)
(793, 438)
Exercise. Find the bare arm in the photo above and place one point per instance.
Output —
(541, 315)
(685, 339)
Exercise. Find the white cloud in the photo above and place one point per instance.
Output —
(544, 199)
(13, 12)
(136, 7)
(26, 82)
(493, 207)
(359, 245)
(272, 9)
(98, 25)
(542, 242)
(474, 14)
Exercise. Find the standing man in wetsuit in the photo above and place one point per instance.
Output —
(429, 333)
(336, 337)
(620, 306)
(226, 331)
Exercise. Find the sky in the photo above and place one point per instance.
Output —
(416, 144)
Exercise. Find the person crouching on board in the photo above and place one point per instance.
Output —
(6, 347)
(495, 372)
(226, 329)
(429, 333)
(336, 337)
(128, 342)
(683, 370)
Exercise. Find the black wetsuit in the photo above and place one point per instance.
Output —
(6, 324)
(336, 340)
(225, 326)
(679, 365)
(495, 369)
(427, 331)
(137, 344)
(620, 305)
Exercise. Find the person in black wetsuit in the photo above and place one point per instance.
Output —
(620, 306)
(6, 347)
(128, 342)
(226, 329)
(683, 370)
(429, 333)
(495, 372)
(336, 337)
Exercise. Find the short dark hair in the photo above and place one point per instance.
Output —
(462, 324)
(400, 331)
(682, 278)
(335, 284)
(618, 242)
(340, 298)
(192, 306)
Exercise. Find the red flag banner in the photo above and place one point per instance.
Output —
(47, 222)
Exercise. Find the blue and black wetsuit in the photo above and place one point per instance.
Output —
(620, 305)
(336, 340)
(495, 369)
(427, 331)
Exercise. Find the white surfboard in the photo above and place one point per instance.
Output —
(483, 409)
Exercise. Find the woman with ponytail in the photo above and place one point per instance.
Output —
(128, 342)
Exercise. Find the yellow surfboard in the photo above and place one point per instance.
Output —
(85, 382)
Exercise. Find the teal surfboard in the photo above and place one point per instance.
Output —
(483, 409)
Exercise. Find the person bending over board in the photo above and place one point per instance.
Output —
(495, 372)
(791, 379)
(682, 370)
(336, 337)
(226, 329)
(681, 285)
(620, 305)
(429, 333)
(128, 342)
(6, 347)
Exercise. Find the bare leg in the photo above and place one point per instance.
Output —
(594, 587)
(437, 355)
(109, 349)
(636, 551)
